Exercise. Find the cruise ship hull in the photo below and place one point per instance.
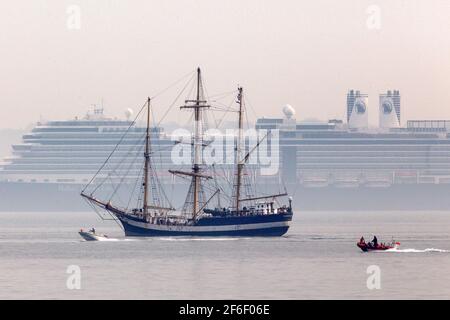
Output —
(42, 197)
(275, 225)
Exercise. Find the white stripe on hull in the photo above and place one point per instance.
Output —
(174, 228)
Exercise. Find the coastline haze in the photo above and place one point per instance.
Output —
(304, 54)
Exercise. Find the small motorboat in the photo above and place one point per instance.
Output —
(371, 246)
(91, 235)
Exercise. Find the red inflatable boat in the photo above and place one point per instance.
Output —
(366, 247)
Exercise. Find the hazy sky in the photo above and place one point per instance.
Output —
(305, 53)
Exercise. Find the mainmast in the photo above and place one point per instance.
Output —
(147, 159)
(239, 163)
(198, 104)
(197, 144)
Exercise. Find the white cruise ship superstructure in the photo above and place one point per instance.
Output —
(71, 151)
(324, 165)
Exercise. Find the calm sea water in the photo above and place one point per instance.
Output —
(318, 259)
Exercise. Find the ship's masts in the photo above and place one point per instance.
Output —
(147, 159)
(239, 163)
(197, 105)
(197, 145)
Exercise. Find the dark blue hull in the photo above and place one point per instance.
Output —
(254, 226)
(131, 231)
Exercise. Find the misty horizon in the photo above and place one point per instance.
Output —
(307, 55)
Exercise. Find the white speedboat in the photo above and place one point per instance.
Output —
(91, 235)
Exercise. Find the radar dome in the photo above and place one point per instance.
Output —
(360, 107)
(128, 113)
(289, 111)
(387, 107)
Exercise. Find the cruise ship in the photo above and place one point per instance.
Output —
(329, 166)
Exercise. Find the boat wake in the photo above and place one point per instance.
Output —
(417, 250)
(107, 240)
(110, 240)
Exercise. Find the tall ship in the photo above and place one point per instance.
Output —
(330, 165)
(150, 215)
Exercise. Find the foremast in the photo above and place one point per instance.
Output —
(148, 173)
(148, 177)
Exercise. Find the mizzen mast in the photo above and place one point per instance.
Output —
(147, 159)
(239, 163)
